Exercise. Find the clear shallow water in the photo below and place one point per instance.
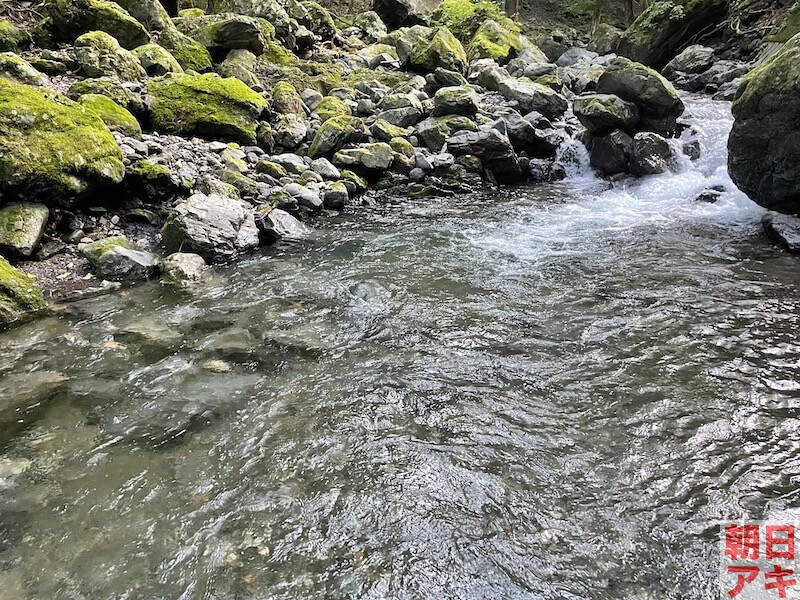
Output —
(548, 393)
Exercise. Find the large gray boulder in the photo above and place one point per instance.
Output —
(214, 227)
(651, 154)
(493, 148)
(694, 59)
(658, 101)
(227, 32)
(783, 230)
(275, 224)
(532, 96)
(115, 259)
(602, 113)
(764, 145)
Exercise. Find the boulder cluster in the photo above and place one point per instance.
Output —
(138, 144)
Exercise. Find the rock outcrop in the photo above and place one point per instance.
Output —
(763, 148)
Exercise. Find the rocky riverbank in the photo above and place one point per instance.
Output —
(135, 146)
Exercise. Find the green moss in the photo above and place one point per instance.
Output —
(358, 182)
(554, 82)
(330, 107)
(334, 133)
(12, 38)
(106, 86)
(442, 50)
(95, 251)
(319, 20)
(72, 18)
(275, 53)
(390, 79)
(244, 184)
(464, 17)
(20, 70)
(18, 294)
(272, 169)
(51, 148)
(286, 100)
(156, 60)
(206, 106)
(402, 146)
(790, 25)
(149, 170)
(112, 114)
(192, 13)
(99, 55)
(191, 55)
(493, 40)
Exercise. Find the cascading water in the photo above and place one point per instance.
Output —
(549, 392)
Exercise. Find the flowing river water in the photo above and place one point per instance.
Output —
(551, 392)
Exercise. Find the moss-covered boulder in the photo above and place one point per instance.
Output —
(372, 27)
(383, 131)
(666, 26)
(441, 50)
(330, 107)
(270, 10)
(335, 133)
(286, 100)
(53, 150)
(112, 114)
(763, 156)
(370, 158)
(657, 100)
(12, 38)
(114, 258)
(156, 60)
(219, 33)
(434, 131)
(73, 18)
(20, 70)
(21, 228)
(319, 20)
(19, 294)
(493, 40)
(111, 87)
(603, 113)
(455, 100)
(152, 181)
(100, 55)
(190, 54)
(206, 106)
(241, 64)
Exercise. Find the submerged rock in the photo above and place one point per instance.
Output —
(20, 392)
(214, 227)
(51, 149)
(763, 156)
(182, 267)
(783, 230)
